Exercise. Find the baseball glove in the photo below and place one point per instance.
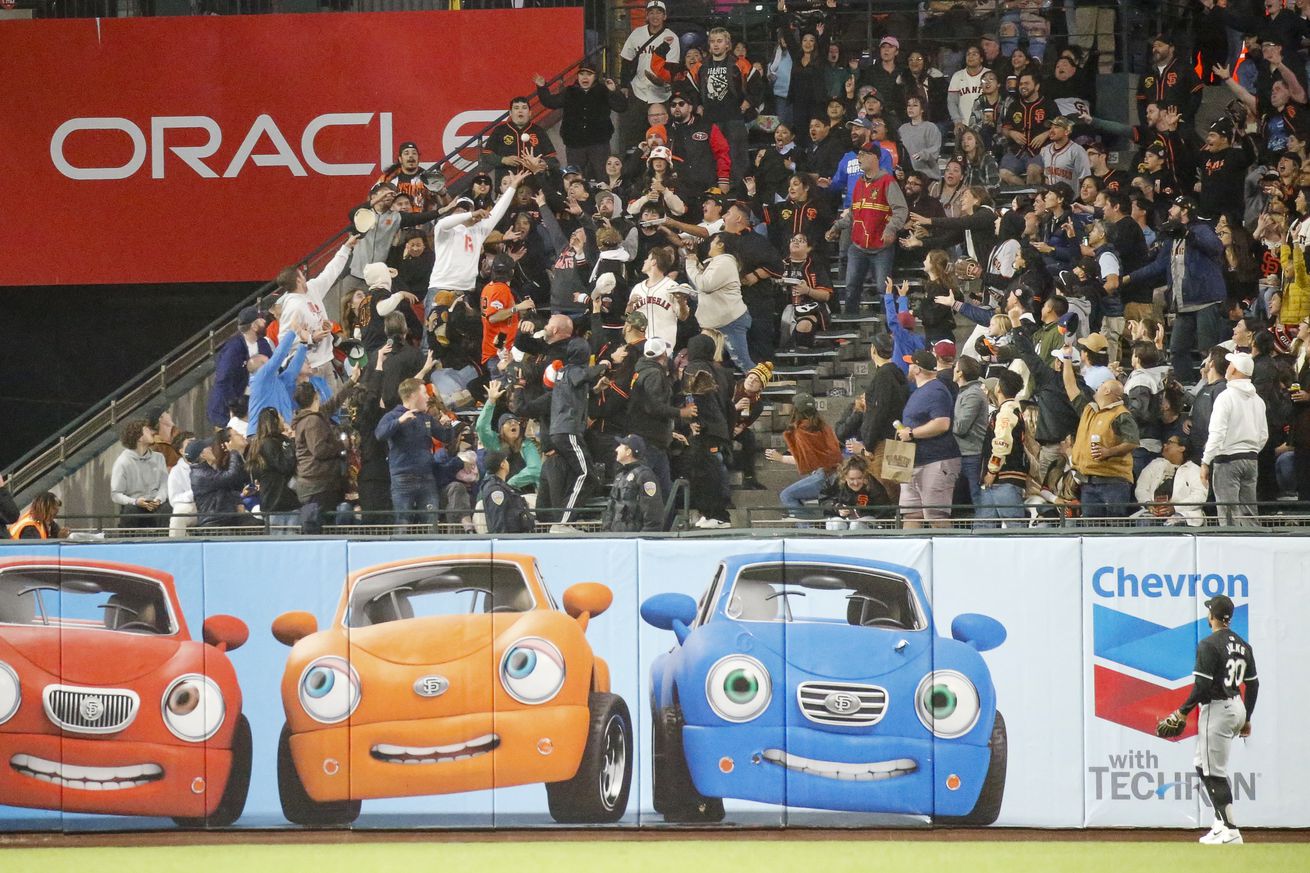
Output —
(1171, 726)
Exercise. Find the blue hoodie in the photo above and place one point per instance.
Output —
(269, 387)
(904, 342)
(410, 442)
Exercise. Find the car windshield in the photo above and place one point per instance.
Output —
(438, 589)
(817, 593)
(84, 598)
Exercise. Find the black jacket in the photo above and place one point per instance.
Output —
(273, 468)
(884, 401)
(505, 508)
(1056, 416)
(651, 412)
(586, 120)
(634, 501)
(711, 386)
(8, 511)
(217, 492)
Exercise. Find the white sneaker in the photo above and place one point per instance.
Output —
(702, 522)
(715, 523)
(1222, 837)
(1215, 829)
(564, 529)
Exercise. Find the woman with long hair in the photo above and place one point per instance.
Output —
(939, 281)
(928, 81)
(808, 86)
(800, 212)
(718, 303)
(976, 223)
(659, 184)
(812, 449)
(806, 278)
(37, 522)
(922, 138)
(949, 188)
(978, 165)
(272, 463)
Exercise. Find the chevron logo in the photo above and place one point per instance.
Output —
(1143, 670)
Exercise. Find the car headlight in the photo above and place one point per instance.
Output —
(738, 688)
(329, 689)
(947, 703)
(532, 670)
(193, 708)
(11, 692)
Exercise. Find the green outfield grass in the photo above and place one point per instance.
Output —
(728, 856)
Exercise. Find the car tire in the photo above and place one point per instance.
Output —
(298, 807)
(233, 802)
(674, 794)
(598, 792)
(988, 806)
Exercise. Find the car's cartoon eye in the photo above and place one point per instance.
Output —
(329, 690)
(11, 692)
(193, 708)
(738, 688)
(532, 670)
(947, 703)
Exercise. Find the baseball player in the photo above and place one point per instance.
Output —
(1224, 661)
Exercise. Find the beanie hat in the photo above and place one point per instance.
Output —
(763, 372)
(377, 275)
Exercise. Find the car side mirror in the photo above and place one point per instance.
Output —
(673, 612)
(290, 628)
(588, 599)
(225, 632)
(980, 631)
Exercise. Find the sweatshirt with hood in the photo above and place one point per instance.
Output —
(718, 284)
(1237, 423)
(1141, 396)
(135, 476)
(568, 399)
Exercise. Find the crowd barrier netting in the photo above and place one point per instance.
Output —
(488, 683)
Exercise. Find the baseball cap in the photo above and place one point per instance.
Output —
(587, 66)
(860, 122)
(407, 144)
(484, 178)
(1094, 342)
(1182, 201)
(1220, 606)
(923, 358)
(635, 443)
(657, 4)
(1242, 362)
(1062, 121)
(506, 418)
(989, 36)
(656, 347)
(891, 41)
(248, 315)
(660, 152)
(1166, 38)
(944, 350)
(637, 321)
(194, 448)
(1156, 149)
(1223, 127)
(805, 404)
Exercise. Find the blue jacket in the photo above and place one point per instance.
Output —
(230, 377)
(904, 342)
(269, 387)
(1202, 264)
(849, 172)
(410, 443)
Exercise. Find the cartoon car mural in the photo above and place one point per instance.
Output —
(819, 682)
(107, 705)
(451, 674)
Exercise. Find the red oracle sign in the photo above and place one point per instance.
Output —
(218, 149)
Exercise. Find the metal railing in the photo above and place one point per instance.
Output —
(197, 353)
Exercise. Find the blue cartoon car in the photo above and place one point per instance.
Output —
(819, 682)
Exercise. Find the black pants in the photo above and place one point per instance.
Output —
(709, 479)
(1266, 480)
(577, 468)
(135, 516)
(744, 459)
(762, 336)
(1301, 467)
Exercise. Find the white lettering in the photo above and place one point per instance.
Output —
(452, 139)
(190, 155)
(120, 172)
(283, 157)
(386, 151)
(333, 119)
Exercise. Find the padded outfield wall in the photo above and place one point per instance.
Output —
(530, 682)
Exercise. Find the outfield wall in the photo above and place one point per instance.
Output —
(453, 685)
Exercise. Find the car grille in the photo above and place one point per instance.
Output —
(90, 710)
(841, 702)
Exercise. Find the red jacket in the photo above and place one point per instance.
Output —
(871, 210)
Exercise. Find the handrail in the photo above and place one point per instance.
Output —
(199, 349)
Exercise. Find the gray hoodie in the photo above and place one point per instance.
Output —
(135, 476)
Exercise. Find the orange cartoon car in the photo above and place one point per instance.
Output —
(451, 674)
(106, 703)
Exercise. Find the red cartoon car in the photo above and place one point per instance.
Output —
(106, 703)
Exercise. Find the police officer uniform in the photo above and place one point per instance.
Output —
(506, 509)
(634, 503)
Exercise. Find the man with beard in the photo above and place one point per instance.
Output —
(1282, 112)
(722, 89)
(1026, 124)
(585, 126)
(646, 55)
(1223, 174)
(704, 152)
(407, 176)
(518, 144)
(1169, 80)
(231, 370)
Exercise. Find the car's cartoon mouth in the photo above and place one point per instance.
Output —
(87, 778)
(872, 771)
(435, 754)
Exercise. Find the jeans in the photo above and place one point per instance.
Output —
(971, 470)
(1195, 333)
(1234, 491)
(1001, 500)
(734, 335)
(808, 487)
(414, 497)
(859, 263)
(283, 524)
(1104, 497)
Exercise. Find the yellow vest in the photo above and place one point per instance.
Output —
(25, 521)
(1099, 421)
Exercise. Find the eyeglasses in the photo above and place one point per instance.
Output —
(676, 103)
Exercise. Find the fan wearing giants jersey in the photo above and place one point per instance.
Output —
(1063, 160)
(518, 144)
(407, 175)
(1224, 663)
(1223, 172)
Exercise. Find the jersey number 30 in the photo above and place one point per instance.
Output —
(1236, 668)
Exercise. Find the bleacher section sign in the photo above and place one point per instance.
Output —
(222, 148)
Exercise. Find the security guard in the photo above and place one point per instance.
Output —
(506, 509)
(634, 501)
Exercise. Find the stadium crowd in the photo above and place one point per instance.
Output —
(1101, 320)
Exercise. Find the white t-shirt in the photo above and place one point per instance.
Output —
(1109, 264)
(1003, 258)
(307, 310)
(640, 41)
(657, 304)
(968, 87)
